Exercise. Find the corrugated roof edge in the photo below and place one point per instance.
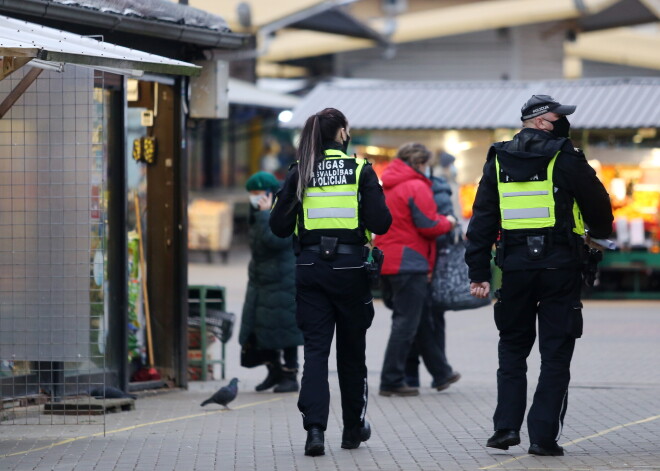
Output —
(508, 84)
(129, 24)
(370, 104)
(160, 10)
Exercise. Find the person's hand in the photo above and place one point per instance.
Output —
(266, 202)
(480, 290)
(592, 244)
(452, 220)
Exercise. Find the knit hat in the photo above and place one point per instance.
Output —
(446, 159)
(262, 181)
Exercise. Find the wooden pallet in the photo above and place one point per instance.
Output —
(89, 406)
(23, 401)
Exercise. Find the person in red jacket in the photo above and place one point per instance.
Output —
(409, 248)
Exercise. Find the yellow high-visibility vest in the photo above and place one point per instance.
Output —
(531, 204)
(331, 198)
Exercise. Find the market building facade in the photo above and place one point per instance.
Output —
(616, 123)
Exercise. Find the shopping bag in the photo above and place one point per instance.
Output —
(252, 356)
(450, 284)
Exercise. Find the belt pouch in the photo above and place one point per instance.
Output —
(535, 247)
(328, 247)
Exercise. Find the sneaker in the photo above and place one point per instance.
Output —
(400, 391)
(455, 376)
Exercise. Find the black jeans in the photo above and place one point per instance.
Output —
(409, 296)
(431, 330)
(328, 298)
(552, 295)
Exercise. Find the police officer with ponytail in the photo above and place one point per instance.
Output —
(332, 203)
(536, 195)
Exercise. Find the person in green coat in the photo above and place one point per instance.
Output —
(268, 322)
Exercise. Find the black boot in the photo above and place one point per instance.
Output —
(351, 438)
(550, 450)
(288, 382)
(315, 445)
(273, 378)
(503, 439)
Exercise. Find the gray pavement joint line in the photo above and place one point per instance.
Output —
(578, 440)
(133, 427)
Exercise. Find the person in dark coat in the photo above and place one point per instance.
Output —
(442, 195)
(269, 311)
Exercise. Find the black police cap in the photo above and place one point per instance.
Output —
(541, 104)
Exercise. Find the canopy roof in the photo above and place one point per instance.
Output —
(152, 18)
(373, 104)
(22, 39)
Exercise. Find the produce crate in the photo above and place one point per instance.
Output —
(210, 227)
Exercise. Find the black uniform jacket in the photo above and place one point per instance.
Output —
(528, 154)
(373, 212)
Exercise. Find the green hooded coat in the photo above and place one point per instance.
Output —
(269, 310)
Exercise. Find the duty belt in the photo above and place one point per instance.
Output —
(344, 249)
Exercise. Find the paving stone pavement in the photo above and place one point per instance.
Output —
(613, 420)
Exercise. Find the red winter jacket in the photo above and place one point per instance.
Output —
(409, 245)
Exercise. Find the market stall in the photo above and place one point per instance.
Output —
(634, 270)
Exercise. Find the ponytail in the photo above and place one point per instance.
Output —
(310, 151)
(319, 128)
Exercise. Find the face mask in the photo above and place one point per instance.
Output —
(344, 144)
(561, 127)
(254, 201)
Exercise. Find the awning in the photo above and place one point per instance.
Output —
(633, 46)
(371, 104)
(622, 13)
(162, 19)
(245, 93)
(327, 17)
(435, 22)
(31, 41)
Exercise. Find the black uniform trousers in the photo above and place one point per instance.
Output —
(329, 295)
(552, 295)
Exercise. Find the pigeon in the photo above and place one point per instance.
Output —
(224, 395)
(109, 392)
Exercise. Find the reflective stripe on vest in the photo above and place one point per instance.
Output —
(527, 205)
(531, 204)
(331, 199)
(319, 213)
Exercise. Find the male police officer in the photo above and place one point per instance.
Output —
(537, 192)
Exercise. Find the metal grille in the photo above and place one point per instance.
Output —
(52, 249)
